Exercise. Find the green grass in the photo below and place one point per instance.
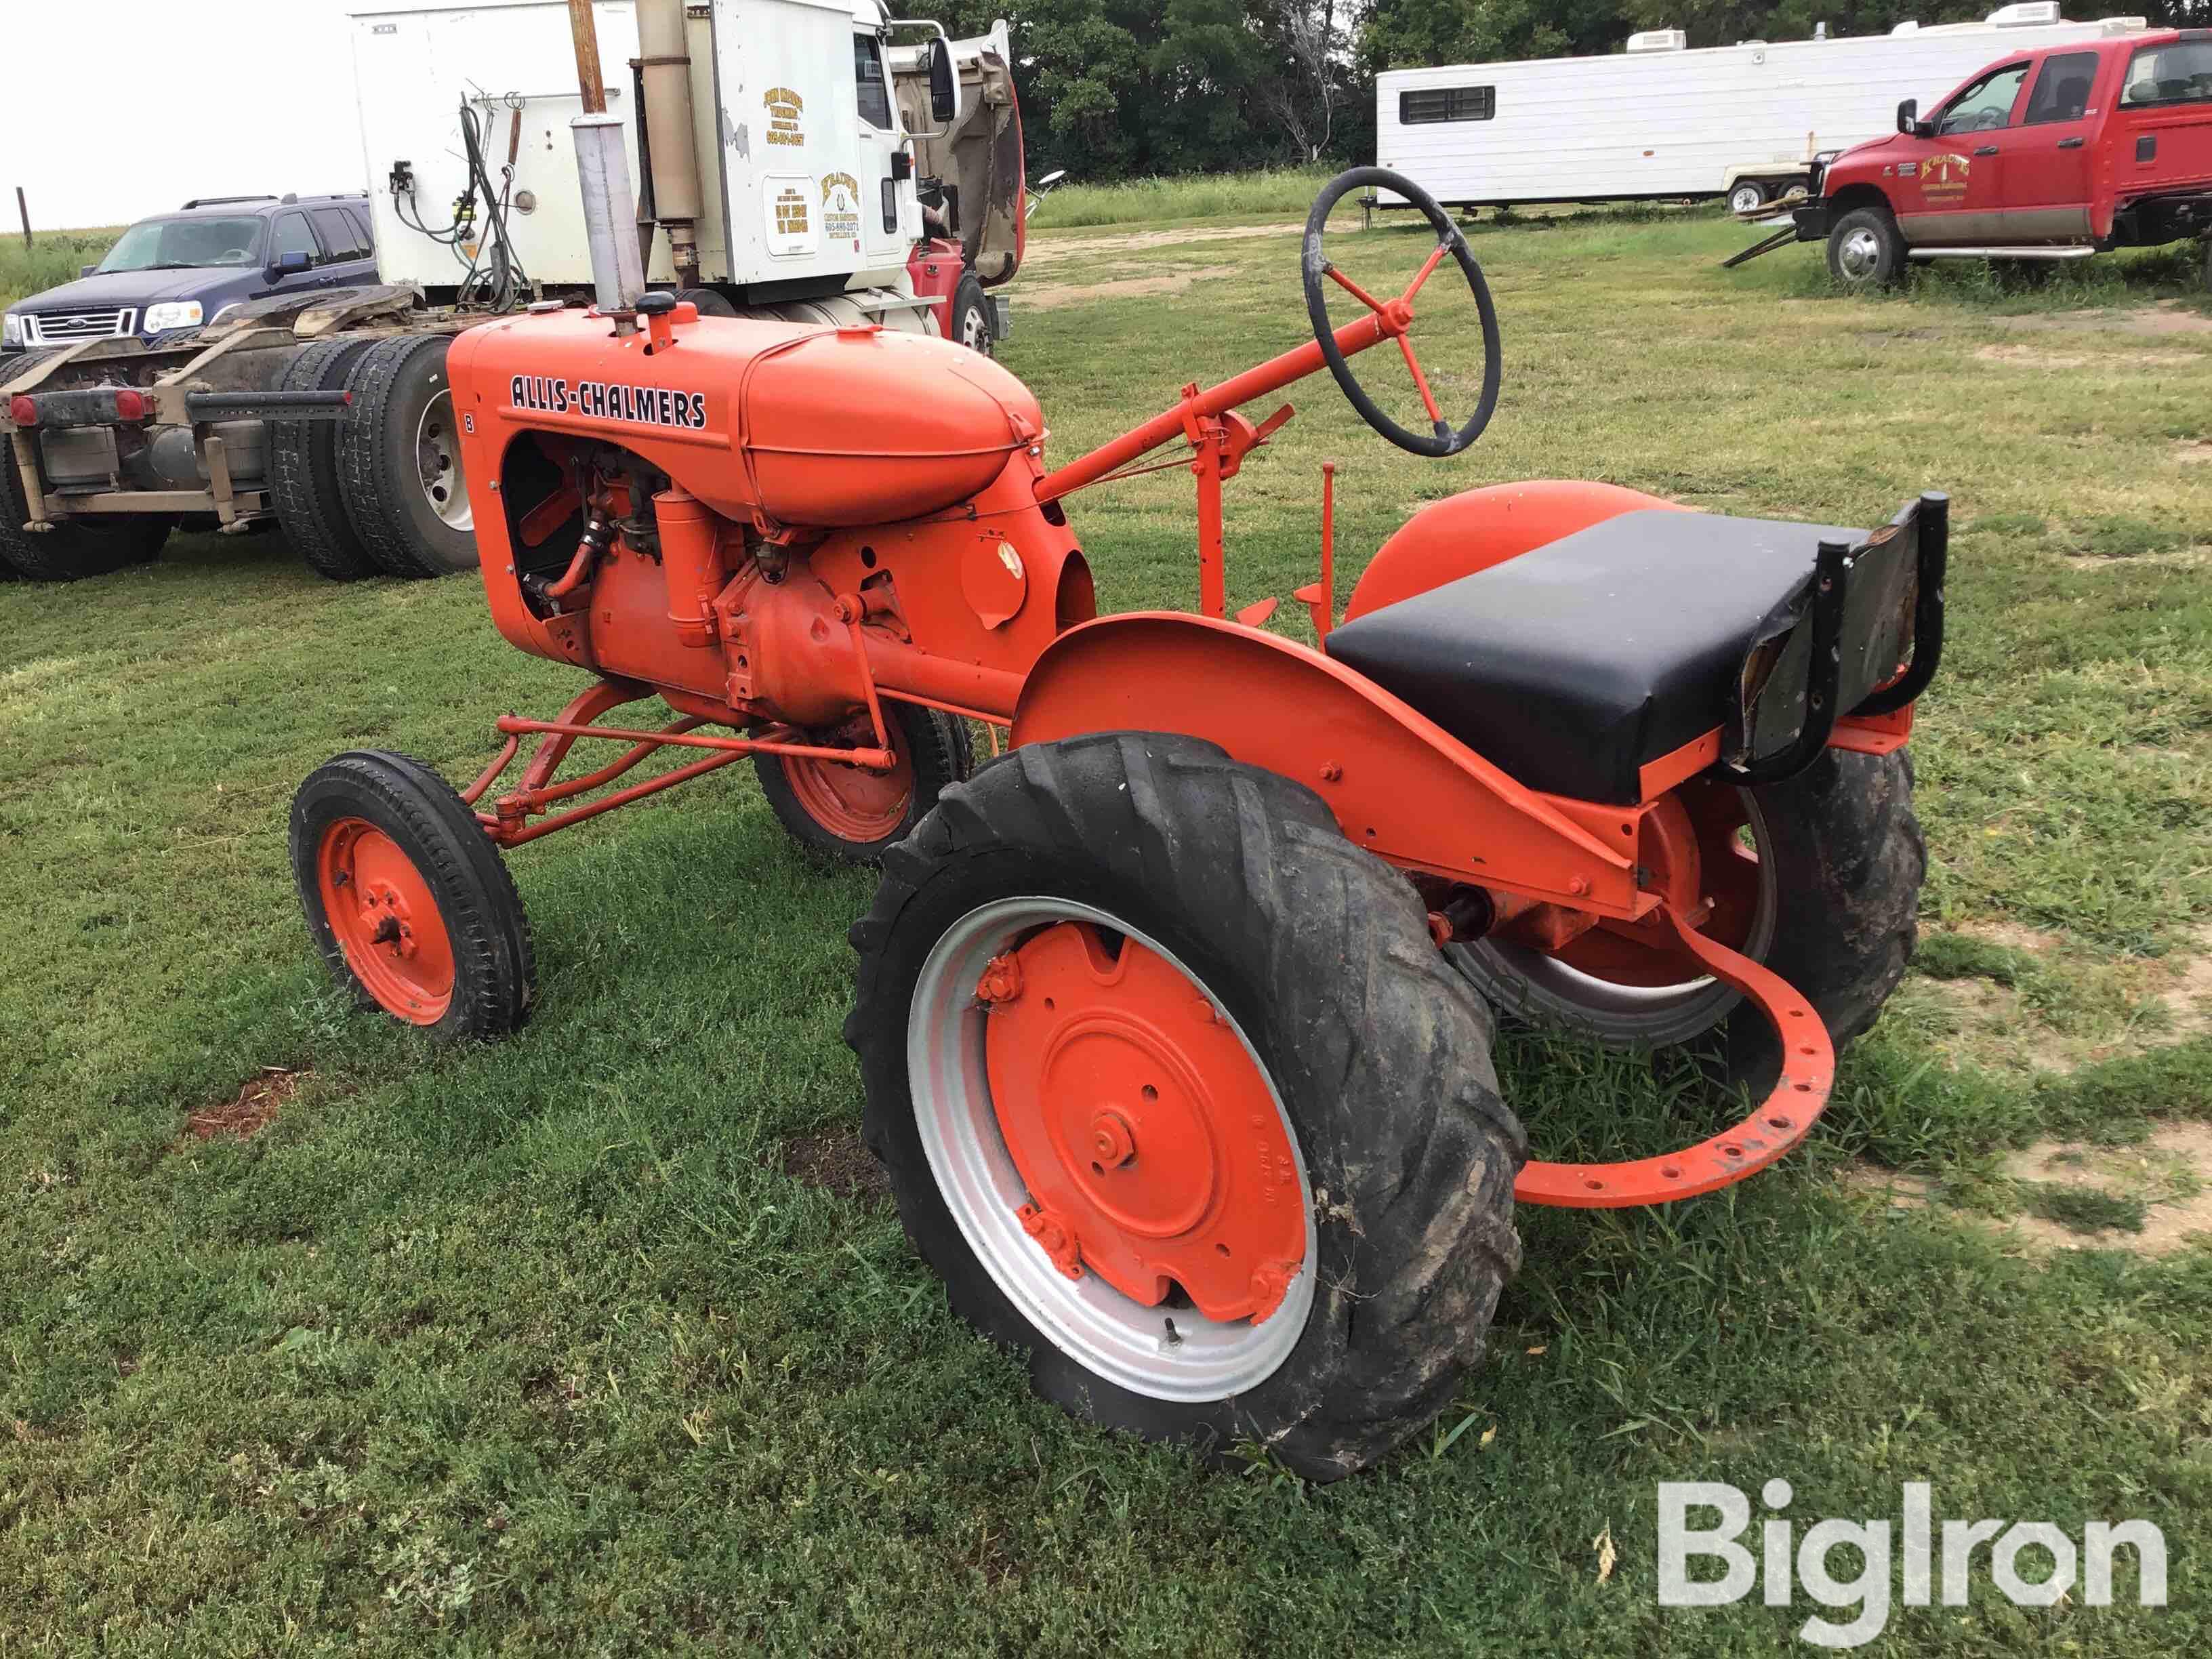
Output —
(533, 1347)
(1268, 192)
(53, 257)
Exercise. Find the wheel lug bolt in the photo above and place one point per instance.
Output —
(1111, 1139)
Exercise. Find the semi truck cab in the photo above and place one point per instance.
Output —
(2056, 153)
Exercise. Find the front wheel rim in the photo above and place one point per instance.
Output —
(1860, 255)
(386, 921)
(1747, 197)
(976, 329)
(1169, 1350)
(851, 802)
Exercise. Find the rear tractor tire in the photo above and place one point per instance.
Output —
(847, 813)
(1817, 877)
(1179, 1099)
(400, 460)
(305, 485)
(407, 898)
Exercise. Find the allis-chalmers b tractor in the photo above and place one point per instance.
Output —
(1174, 1019)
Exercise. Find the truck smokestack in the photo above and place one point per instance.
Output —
(665, 65)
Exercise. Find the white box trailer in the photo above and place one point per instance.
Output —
(1661, 121)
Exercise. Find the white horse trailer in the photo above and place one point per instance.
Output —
(1659, 120)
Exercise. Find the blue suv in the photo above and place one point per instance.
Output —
(183, 270)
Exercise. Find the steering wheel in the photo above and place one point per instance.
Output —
(1396, 316)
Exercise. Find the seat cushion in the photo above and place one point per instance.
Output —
(1575, 664)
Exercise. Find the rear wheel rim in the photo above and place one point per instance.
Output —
(1747, 197)
(386, 921)
(438, 464)
(1226, 1164)
(851, 802)
(976, 329)
(1644, 1006)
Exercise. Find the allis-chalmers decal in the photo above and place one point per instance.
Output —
(648, 405)
(784, 108)
(1943, 177)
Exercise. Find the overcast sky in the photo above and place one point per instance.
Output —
(187, 98)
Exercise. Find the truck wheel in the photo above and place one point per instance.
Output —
(404, 482)
(1865, 250)
(853, 815)
(710, 303)
(303, 472)
(1179, 1100)
(407, 898)
(971, 317)
(1748, 196)
(1817, 878)
(69, 552)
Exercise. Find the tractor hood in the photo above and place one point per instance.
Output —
(812, 427)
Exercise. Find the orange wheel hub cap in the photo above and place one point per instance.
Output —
(386, 921)
(1152, 1147)
(851, 802)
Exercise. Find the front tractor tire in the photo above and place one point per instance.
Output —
(407, 898)
(846, 813)
(404, 486)
(1865, 250)
(1180, 1100)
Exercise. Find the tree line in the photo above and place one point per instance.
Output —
(1120, 88)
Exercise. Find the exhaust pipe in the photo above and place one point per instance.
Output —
(603, 172)
(668, 133)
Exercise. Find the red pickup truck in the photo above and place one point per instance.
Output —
(2049, 154)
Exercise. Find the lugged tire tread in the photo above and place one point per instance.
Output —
(1415, 1188)
(304, 485)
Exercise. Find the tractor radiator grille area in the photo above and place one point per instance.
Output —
(62, 327)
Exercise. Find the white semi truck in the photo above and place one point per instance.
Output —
(817, 161)
(1660, 121)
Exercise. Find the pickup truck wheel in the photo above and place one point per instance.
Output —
(303, 474)
(1748, 196)
(404, 487)
(1865, 250)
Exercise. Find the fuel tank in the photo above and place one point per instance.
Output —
(812, 426)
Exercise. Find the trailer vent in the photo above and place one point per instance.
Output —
(1659, 40)
(63, 327)
(2029, 14)
(1447, 103)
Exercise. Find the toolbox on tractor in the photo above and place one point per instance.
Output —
(1173, 1019)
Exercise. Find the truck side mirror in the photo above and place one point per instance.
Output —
(86, 271)
(1908, 116)
(293, 263)
(944, 90)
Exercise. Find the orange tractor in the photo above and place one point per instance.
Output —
(1174, 1019)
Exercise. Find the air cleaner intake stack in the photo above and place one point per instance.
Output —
(603, 172)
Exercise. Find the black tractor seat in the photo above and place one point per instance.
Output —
(1575, 664)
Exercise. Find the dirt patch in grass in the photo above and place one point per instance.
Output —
(2188, 999)
(253, 1109)
(837, 1161)
(2193, 451)
(2151, 1199)
(2029, 357)
(2010, 934)
(1048, 298)
(1090, 247)
(2164, 320)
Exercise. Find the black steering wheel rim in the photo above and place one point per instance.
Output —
(1314, 267)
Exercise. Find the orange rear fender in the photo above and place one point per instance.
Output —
(1478, 528)
(1399, 784)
